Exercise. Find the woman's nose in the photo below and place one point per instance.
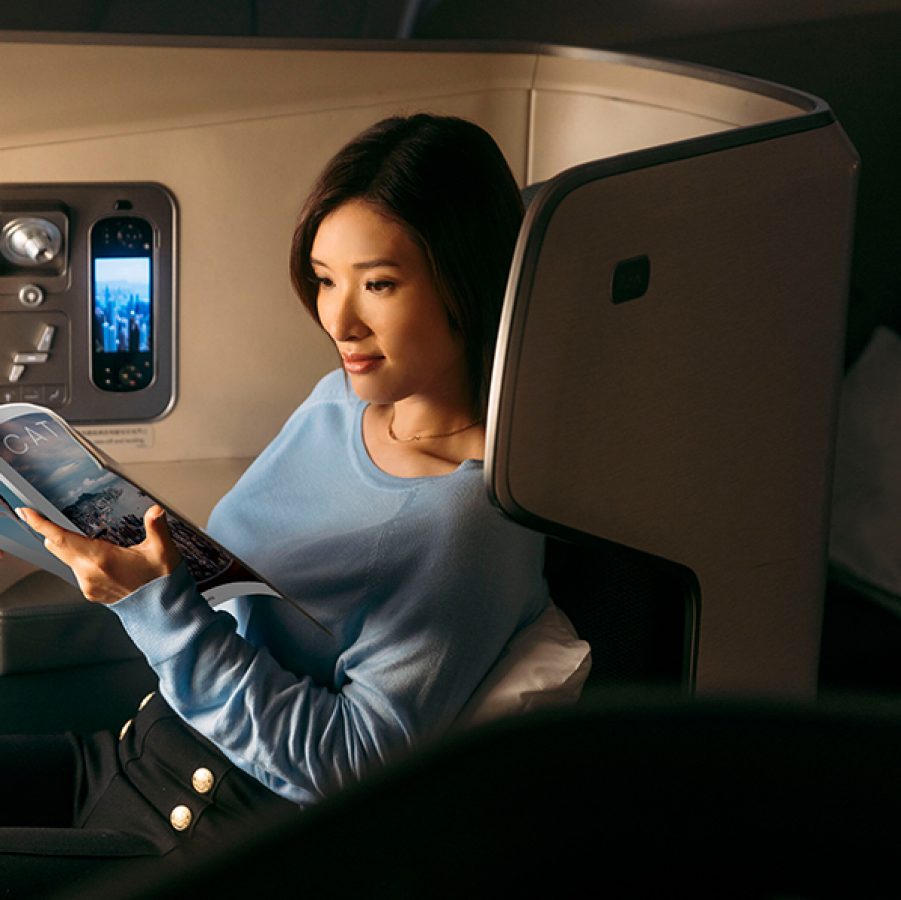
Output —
(340, 317)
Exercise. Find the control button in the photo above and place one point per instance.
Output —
(146, 700)
(203, 780)
(31, 359)
(9, 394)
(180, 818)
(45, 341)
(125, 729)
(31, 295)
(33, 394)
(56, 395)
(16, 372)
(30, 240)
(130, 376)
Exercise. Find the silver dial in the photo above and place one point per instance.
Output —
(30, 241)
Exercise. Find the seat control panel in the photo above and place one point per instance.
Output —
(36, 362)
(88, 299)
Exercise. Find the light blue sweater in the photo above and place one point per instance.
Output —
(420, 580)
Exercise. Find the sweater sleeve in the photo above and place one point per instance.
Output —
(412, 662)
(298, 738)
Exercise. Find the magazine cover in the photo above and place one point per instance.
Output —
(19, 540)
(48, 466)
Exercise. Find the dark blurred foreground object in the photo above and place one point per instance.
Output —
(619, 794)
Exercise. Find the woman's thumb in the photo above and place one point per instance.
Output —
(156, 526)
(158, 543)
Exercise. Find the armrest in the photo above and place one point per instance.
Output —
(45, 623)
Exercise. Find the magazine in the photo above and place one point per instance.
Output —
(49, 466)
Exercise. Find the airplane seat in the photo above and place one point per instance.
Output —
(862, 617)
(66, 664)
(617, 619)
(631, 610)
(664, 398)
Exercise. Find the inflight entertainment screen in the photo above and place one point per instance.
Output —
(122, 304)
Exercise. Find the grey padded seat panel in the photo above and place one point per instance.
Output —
(688, 414)
(45, 623)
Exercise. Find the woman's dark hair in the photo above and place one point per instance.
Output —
(446, 181)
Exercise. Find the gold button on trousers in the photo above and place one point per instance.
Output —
(180, 818)
(203, 780)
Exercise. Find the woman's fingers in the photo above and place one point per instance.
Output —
(106, 572)
(58, 541)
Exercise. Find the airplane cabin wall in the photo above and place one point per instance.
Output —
(585, 109)
(239, 133)
(238, 136)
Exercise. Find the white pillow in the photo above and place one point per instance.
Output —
(544, 664)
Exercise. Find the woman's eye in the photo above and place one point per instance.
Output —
(324, 281)
(379, 286)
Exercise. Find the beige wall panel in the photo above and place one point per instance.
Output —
(655, 87)
(103, 90)
(192, 487)
(592, 108)
(248, 351)
(568, 129)
(238, 137)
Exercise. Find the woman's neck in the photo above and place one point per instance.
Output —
(424, 442)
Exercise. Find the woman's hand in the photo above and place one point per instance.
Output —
(107, 573)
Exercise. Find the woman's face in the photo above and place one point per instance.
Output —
(379, 303)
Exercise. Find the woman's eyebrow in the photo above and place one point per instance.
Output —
(375, 264)
(363, 264)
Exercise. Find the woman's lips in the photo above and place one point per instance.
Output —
(360, 364)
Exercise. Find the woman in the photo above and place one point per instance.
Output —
(369, 508)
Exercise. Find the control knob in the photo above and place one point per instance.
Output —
(30, 241)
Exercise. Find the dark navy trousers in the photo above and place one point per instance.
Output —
(73, 806)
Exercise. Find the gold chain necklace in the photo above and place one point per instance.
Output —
(426, 437)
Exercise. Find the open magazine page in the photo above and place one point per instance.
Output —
(19, 540)
(46, 465)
